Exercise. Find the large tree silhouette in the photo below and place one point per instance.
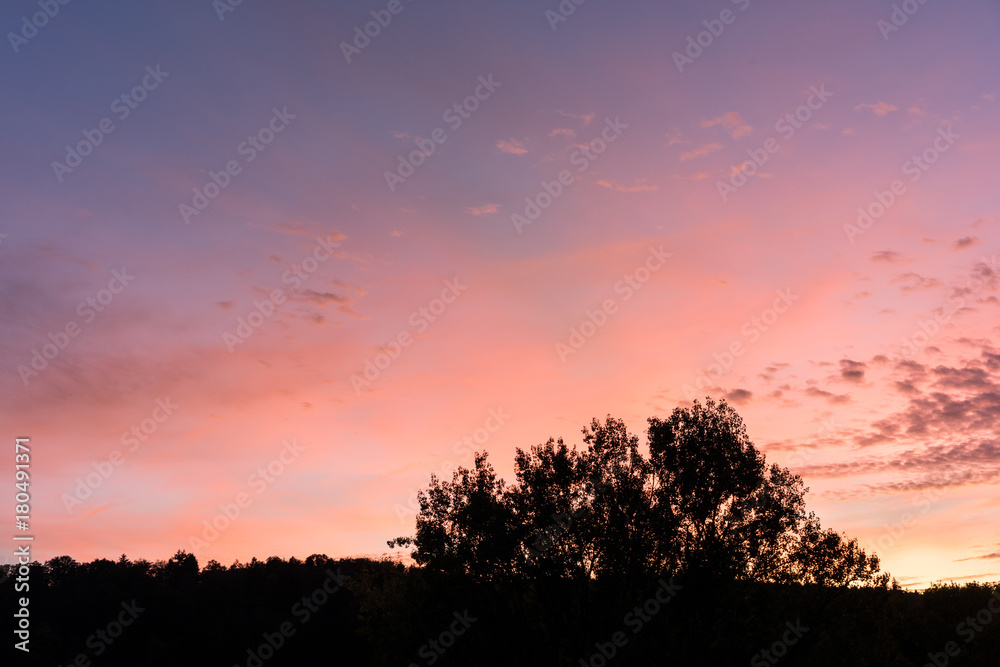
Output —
(701, 502)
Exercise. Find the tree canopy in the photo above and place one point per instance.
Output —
(698, 500)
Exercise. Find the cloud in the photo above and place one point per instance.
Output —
(512, 146)
(984, 557)
(879, 109)
(852, 371)
(966, 242)
(583, 118)
(912, 282)
(485, 209)
(674, 137)
(730, 121)
(888, 256)
(345, 304)
(563, 132)
(739, 396)
(832, 398)
(639, 185)
(698, 152)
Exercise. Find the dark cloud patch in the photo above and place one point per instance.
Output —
(888, 256)
(323, 298)
(915, 371)
(983, 277)
(343, 303)
(963, 378)
(837, 399)
(966, 242)
(771, 371)
(940, 465)
(739, 396)
(852, 371)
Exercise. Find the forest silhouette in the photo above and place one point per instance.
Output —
(690, 550)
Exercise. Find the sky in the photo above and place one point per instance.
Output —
(262, 273)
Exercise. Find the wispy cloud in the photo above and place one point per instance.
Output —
(732, 122)
(701, 151)
(879, 108)
(512, 146)
(485, 209)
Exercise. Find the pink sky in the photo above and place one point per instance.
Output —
(885, 433)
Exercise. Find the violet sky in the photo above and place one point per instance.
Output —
(697, 233)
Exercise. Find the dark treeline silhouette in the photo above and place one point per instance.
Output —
(692, 552)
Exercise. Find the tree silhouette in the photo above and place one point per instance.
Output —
(702, 503)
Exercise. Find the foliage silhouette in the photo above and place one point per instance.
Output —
(701, 504)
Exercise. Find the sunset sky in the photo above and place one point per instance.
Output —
(582, 235)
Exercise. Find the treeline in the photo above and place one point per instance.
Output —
(378, 612)
(687, 550)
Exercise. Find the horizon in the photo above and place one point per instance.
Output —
(255, 258)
